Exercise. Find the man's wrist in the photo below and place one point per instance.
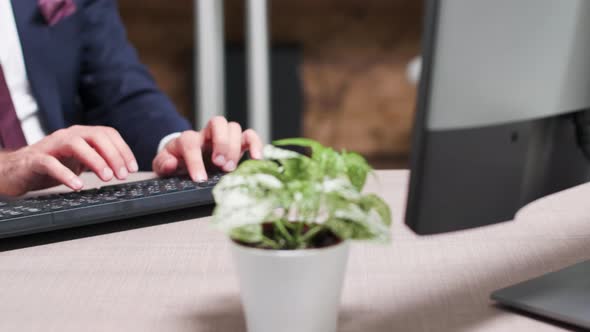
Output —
(166, 140)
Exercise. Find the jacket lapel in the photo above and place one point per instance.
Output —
(35, 41)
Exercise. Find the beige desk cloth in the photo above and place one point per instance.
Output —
(179, 276)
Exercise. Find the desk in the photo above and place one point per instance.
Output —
(179, 276)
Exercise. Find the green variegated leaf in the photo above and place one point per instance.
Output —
(371, 220)
(260, 181)
(340, 187)
(378, 227)
(330, 162)
(238, 207)
(249, 167)
(346, 229)
(357, 169)
(303, 142)
(304, 201)
(350, 211)
(373, 202)
(299, 169)
(247, 234)
(270, 152)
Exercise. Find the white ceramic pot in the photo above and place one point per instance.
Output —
(291, 290)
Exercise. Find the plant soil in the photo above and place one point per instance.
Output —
(323, 239)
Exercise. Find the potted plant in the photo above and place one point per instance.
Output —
(290, 218)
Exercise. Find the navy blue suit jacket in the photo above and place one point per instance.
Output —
(83, 70)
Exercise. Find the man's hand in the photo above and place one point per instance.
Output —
(220, 144)
(60, 157)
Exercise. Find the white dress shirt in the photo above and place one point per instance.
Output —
(13, 66)
(15, 73)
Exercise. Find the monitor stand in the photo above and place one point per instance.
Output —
(562, 295)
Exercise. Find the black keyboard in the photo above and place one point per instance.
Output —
(44, 213)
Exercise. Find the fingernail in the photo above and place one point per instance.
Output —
(219, 160)
(76, 183)
(133, 167)
(107, 173)
(255, 154)
(201, 177)
(230, 166)
(123, 172)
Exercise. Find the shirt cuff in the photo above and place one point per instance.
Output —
(166, 140)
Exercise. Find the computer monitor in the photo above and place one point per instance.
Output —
(503, 98)
(503, 119)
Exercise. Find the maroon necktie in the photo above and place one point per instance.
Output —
(11, 133)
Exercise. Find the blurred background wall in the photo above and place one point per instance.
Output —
(353, 67)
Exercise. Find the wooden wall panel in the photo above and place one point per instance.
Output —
(355, 55)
